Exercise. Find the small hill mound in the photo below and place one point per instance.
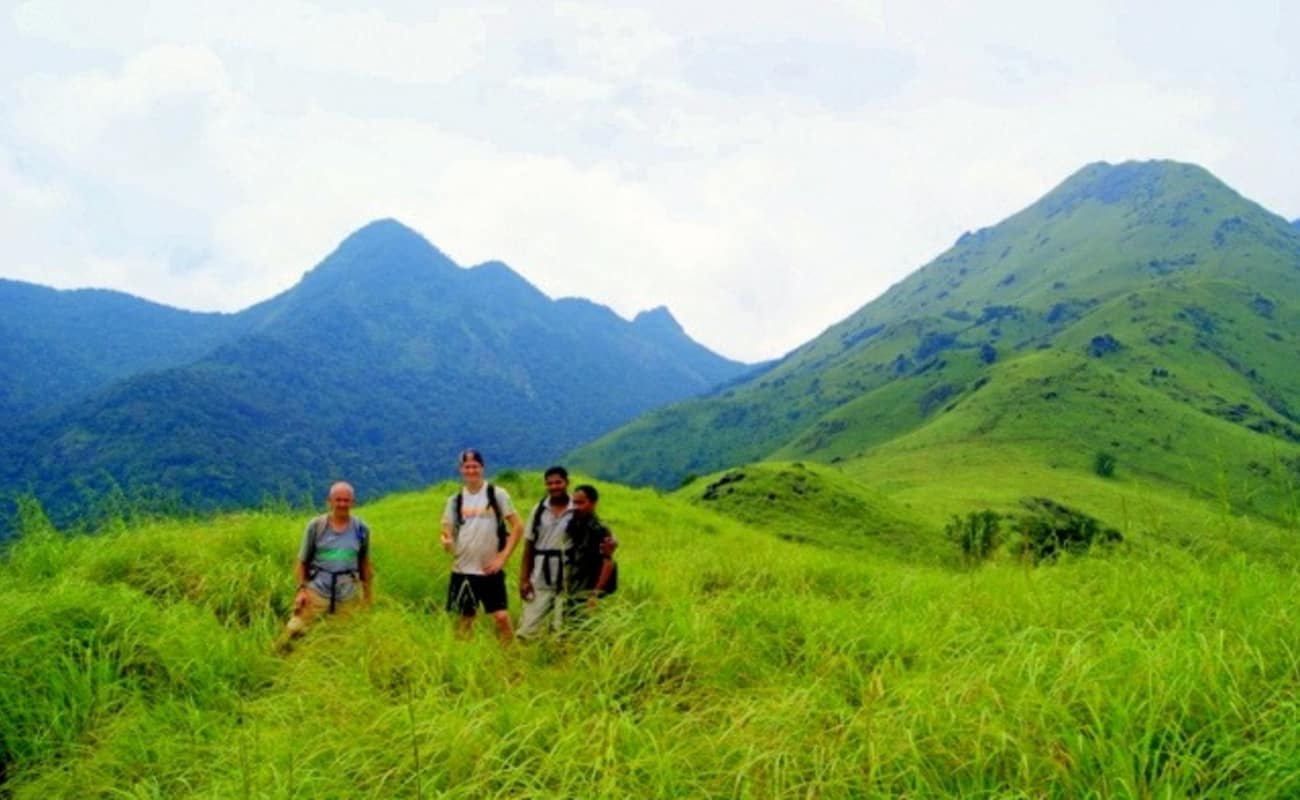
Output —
(811, 504)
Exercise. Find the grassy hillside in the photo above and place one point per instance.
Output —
(1153, 307)
(733, 663)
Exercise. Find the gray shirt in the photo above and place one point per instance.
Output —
(475, 544)
(552, 535)
(335, 556)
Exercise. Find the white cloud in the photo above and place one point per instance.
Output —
(151, 112)
(763, 173)
(566, 88)
(443, 44)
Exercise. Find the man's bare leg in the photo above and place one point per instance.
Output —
(502, 619)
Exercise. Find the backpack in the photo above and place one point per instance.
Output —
(496, 511)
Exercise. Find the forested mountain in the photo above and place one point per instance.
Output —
(377, 367)
(1143, 311)
(59, 346)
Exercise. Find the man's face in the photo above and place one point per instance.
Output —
(556, 486)
(341, 502)
(471, 470)
(582, 505)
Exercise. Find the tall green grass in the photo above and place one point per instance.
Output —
(730, 664)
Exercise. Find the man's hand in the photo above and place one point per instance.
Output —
(494, 566)
(446, 541)
(526, 588)
(300, 600)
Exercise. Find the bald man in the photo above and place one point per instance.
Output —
(333, 560)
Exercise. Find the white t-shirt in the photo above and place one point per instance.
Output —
(476, 541)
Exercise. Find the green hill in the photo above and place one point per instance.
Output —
(732, 662)
(812, 504)
(1143, 310)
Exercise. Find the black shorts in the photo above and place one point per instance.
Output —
(466, 593)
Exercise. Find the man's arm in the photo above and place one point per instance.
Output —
(300, 575)
(607, 547)
(516, 531)
(526, 571)
(526, 563)
(606, 572)
(301, 569)
(367, 572)
(445, 538)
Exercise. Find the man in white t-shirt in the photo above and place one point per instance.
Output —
(480, 528)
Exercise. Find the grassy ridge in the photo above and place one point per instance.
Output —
(731, 664)
(1149, 303)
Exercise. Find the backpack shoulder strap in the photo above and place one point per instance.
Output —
(537, 517)
(314, 529)
(460, 508)
(363, 539)
(502, 534)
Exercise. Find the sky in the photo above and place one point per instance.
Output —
(761, 169)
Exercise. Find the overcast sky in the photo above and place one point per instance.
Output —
(763, 169)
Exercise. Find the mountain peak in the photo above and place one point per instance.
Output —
(659, 319)
(383, 252)
(1133, 183)
(386, 235)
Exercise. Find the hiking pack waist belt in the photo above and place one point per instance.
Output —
(547, 557)
(334, 582)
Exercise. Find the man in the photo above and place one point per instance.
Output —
(592, 570)
(333, 559)
(475, 532)
(546, 542)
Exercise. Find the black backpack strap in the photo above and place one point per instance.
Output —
(314, 529)
(363, 541)
(496, 512)
(537, 517)
(552, 577)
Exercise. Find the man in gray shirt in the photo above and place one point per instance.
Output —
(333, 567)
(480, 529)
(546, 544)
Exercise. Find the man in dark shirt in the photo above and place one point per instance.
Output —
(592, 572)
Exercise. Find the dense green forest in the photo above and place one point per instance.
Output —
(382, 363)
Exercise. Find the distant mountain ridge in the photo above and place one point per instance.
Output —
(383, 362)
(59, 346)
(1128, 291)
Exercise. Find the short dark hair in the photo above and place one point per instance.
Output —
(557, 470)
(589, 491)
(470, 454)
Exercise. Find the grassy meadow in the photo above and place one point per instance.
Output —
(744, 656)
